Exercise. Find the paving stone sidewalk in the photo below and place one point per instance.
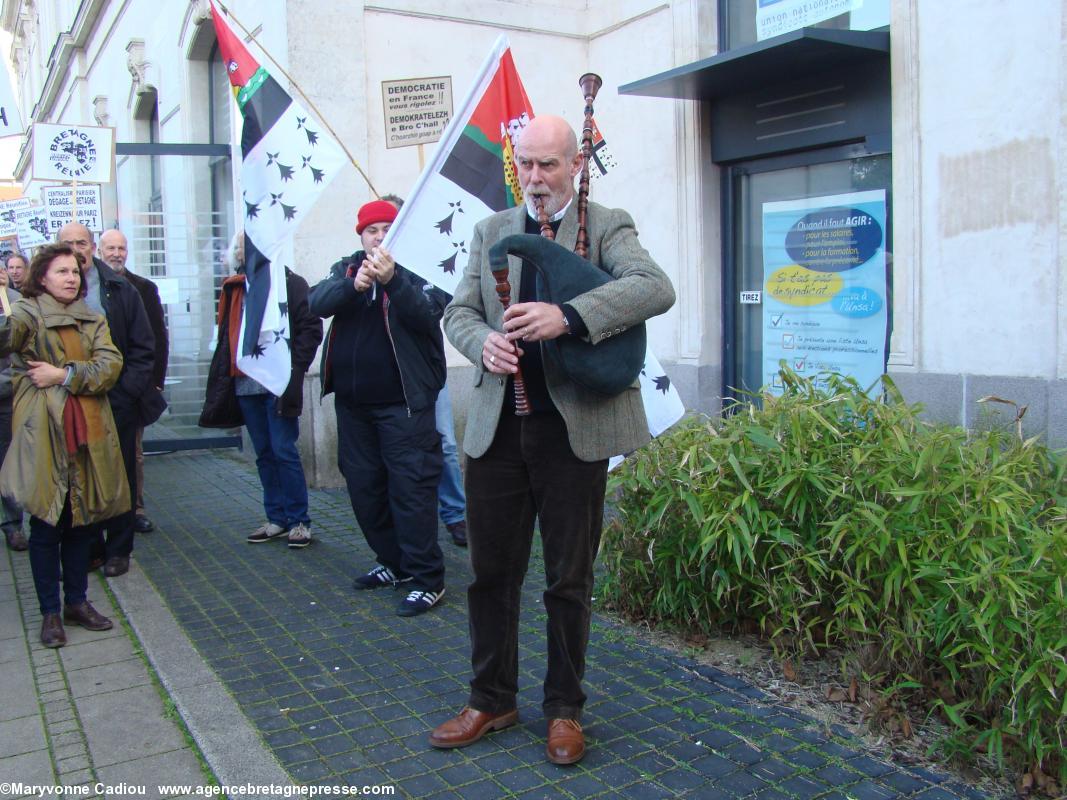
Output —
(84, 715)
(344, 692)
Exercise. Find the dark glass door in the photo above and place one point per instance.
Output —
(810, 280)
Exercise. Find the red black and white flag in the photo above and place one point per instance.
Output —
(286, 162)
(472, 175)
(603, 159)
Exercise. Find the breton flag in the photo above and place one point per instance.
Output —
(471, 175)
(286, 162)
(603, 159)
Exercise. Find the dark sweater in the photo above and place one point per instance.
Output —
(366, 373)
(399, 328)
(531, 362)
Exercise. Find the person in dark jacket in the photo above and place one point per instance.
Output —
(384, 361)
(65, 467)
(114, 250)
(10, 513)
(233, 399)
(134, 400)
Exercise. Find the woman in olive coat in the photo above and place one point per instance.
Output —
(64, 466)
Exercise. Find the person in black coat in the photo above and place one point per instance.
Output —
(114, 250)
(233, 399)
(134, 400)
(384, 361)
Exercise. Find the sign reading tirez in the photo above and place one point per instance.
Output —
(417, 110)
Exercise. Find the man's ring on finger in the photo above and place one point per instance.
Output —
(492, 359)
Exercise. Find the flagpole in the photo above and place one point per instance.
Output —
(307, 99)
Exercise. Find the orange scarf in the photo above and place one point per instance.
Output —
(82, 422)
(232, 315)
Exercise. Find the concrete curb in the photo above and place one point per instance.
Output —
(229, 742)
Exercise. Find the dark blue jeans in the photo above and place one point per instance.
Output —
(52, 547)
(391, 462)
(530, 473)
(285, 491)
(451, 502)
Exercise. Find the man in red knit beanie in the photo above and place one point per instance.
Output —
(384, 361)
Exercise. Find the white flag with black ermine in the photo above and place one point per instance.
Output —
(287, 160)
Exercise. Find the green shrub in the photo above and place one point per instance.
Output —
(825, 518)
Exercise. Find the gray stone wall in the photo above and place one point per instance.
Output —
(949, 399)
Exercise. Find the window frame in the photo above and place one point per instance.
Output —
(729, 176)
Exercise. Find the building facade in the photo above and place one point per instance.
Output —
(939, 124)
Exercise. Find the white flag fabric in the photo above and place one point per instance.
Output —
(287, 161)
(470, 176)
(663, 404)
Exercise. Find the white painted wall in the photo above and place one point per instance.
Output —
(641, 133)
(9, 145)
(990, 177)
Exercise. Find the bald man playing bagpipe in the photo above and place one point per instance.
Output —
(550, 463)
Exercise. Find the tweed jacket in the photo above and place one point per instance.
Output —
(598, 427)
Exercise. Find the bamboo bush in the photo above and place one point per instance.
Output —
(934, 557)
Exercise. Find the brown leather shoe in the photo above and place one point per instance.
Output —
(52, 633)
(16, 540)
(116, 565)
(469, 727)
(566, 744)
(88, 617)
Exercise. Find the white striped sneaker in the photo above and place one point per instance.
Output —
(418, 602)
(377, 578)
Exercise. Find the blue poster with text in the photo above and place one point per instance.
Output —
(824, 287)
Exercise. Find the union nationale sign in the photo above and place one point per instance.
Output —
(417, 110)
(82, 153)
